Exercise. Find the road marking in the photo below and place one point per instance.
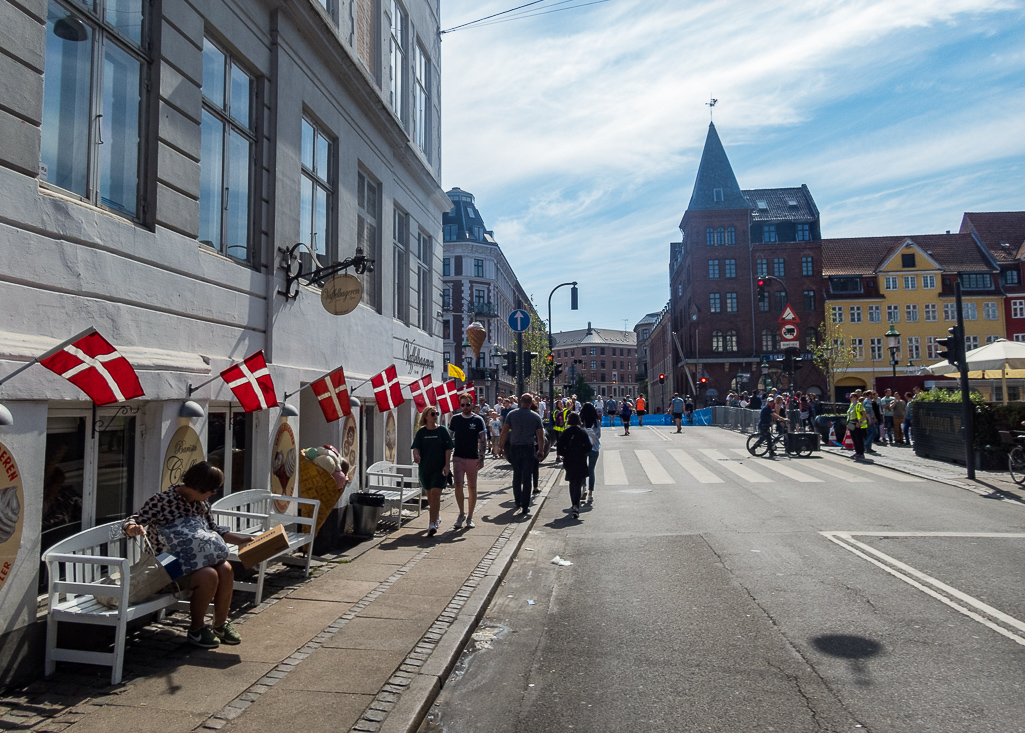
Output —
(651, 466)
(868, 468)
(742, 471)
(615, 474)
(817, 464)
(912, 577)
(660, 434)
(790, 472)
(695, 469)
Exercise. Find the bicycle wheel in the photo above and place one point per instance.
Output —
(1016, 465)
(755, 448)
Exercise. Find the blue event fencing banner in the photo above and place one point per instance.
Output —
(701, 417)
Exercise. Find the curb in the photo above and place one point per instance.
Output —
(423, 690)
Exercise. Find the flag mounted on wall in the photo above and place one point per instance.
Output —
(387, 390)
(251, 383)
(333, 395)
(448, 397)
(454, 371)
(422, 391)
(90, 363)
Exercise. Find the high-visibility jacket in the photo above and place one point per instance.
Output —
(856, 415)
(560, 420)
(640, 404)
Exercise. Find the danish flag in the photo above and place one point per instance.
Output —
(90, 363)
(422, 391)
(251, 383)
(468, 389)
(387, 390)
(333, 395)
(448, 397)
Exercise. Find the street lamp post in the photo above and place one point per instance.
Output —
(551, 340)
(893, 344)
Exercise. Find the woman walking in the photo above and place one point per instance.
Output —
(624, 415)
(592, 426)
(432, 451)
(574, 446)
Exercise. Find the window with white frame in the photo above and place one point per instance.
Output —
(731, 343)
(93, 115)
(855, 314)
(911, 313)
(914, 347)
(226, 154)
(991, 339)
(928, 282)
(891, 282)
(1010, 277)
(1018, 308)
(779, 266)
(836, 313)
(931, 312)
(875, 314)
(478, 267)
(731, 302)
(949, 311)
(714, 303)
(911, 282)
(803, 232)
(931, 348)
(762, 267)
(768, 339)
(710, 236)
(368, 206)
(971, 342)
(976, 281)
(893, 313)
(446, 299)
(971, 311)
(1019, 337)
(400, 237)
(769, 233)
(316, 192)
(989, 311)
(731, 268)
(422, 101)
(858, 349)
(399, 30)
(875, 346)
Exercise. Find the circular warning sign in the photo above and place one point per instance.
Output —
(788, 332)
(12, 501)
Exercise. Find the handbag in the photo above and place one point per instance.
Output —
(191, 540)
(146, 578)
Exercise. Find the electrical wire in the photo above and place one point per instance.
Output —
(543, 12)
(479, 23)
(495, 15)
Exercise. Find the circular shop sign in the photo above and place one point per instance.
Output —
(183, 452)
(282, 467)
(12, 500)
(341, 294)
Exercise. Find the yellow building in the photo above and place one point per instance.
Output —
(909, 282)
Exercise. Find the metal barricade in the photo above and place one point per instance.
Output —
(735, 418)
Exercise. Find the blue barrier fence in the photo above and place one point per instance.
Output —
(701, 417)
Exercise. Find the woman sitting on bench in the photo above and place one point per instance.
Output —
(178, 521)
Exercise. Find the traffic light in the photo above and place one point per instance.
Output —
(528, 362)
(510, 363)
(761, 288)
(952, 347)
(661, 378)
(557, 371)
(703, 381)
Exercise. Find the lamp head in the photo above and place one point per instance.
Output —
(190, 409)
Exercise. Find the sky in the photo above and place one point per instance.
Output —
(579, 132)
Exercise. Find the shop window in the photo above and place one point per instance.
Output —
(238, 434)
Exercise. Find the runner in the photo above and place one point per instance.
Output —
(689, 409)
(676, 406)
(641, 406)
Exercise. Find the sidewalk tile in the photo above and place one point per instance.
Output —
(358, 671)
(379, 633)
(284, 627)
(362, 569)
(397, 551)
(410, 607)
(194, 688)
(334, 587)
(301, 710)
(138, 720)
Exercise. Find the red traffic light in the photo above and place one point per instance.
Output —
(703, 380)
(661, 378)
(761, 283)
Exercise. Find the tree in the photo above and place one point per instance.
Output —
(831, 354)
(584, 391)
(535, 339)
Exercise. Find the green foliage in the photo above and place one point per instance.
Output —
(535, 339)
(949, 396)
(584, 391)
(642, 388)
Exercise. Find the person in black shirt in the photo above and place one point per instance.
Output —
(469, 434)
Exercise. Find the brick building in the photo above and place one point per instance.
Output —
(660, 361)
(730, 239)
(1002, 234)
(607, 359)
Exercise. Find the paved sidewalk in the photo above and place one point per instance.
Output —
(364, 644)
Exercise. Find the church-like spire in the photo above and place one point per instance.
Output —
(715, 187)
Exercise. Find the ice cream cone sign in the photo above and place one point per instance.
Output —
(476, 334)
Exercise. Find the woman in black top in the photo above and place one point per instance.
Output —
(574, 446)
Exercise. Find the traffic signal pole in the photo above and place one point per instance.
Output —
(519, 357)
(967, 410)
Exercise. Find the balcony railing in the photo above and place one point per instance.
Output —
(486, 310)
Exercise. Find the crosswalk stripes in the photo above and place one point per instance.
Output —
(615, 474)
(868, 468)
(737, 468)
(816, 464)
(656, 473)
(782, 468)
(696, 470)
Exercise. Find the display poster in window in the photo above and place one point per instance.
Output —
(183, 452)
(283, 463)
(12, 505)
(391, 437)
(350, 442)
(341, 294)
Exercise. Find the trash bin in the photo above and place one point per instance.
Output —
(366, 512)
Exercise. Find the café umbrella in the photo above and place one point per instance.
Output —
(1003, 357)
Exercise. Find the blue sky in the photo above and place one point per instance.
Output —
(580, 132)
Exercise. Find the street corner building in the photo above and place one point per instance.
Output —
(178, 176)
(607, 359)
(726, 326)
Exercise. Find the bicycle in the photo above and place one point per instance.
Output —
(758, 447)
(1016, 460)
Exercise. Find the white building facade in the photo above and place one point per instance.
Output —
(156, 162)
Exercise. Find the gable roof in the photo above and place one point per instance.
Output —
(1002, 233)
(715, 172)
(606, 336)
(782, 204)
(865, 255)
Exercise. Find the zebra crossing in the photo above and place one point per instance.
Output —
(710, 465)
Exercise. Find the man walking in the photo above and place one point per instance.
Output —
(610, 410)
(676, 406)
(857, 423)
(526, 434)
(469, 434)
(642, 410)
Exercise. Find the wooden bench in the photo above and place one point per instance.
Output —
(252, 512)
(399, 483)
(80, 568)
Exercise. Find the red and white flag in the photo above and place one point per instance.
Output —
(251, 383)
(448, 397)
(90, 363)
(468, 389)
(387, 390)
(422, 391)
(333, 395)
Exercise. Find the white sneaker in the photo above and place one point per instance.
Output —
(432, 528)
(470, 524)
(460, 520)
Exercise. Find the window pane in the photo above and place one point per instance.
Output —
(115, 470)
(126, 16)
(237, 211)
(119, 154)
(320, 221)
(213, 74)
(65, 134)
(240, 95)
(211, 171)
(308, 137)
(323, 151)
(306, 211)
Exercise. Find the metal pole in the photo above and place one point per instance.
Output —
(551, 347)
(520, 389)
(967, 410)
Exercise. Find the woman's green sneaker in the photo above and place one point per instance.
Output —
(227, 633)
(204, 638)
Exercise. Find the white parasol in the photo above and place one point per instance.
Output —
(1001, 356)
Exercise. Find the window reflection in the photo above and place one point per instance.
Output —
(119, 155)
(62, 483)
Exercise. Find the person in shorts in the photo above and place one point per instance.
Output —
(676, 407)
(469, 434)
(642, 410)
(432, 452)
(689, 409)
(495, 426)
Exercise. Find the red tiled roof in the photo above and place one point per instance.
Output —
(1001, 232)
(864, 255)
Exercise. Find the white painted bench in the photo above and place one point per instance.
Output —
(399, 483)
(253, 512)
(76, 567)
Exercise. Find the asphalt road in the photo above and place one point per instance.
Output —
(712, 591)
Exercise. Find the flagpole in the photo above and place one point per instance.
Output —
(48, 354)
(193, 390)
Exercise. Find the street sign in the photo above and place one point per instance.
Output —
(788, 316)
(519, 320)
(788, 332)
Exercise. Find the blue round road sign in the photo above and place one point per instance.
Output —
(519, 320)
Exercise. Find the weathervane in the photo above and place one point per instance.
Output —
(711, 104)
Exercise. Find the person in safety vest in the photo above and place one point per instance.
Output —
(857, 423)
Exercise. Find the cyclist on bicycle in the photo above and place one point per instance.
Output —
(765, 420)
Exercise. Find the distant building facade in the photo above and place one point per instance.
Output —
(643, 330)
(606, 358)
(1002, 234)
(661, 362)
